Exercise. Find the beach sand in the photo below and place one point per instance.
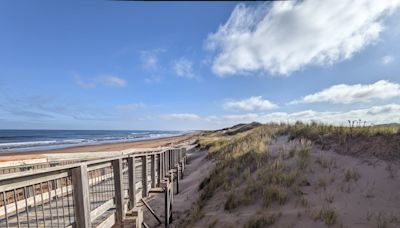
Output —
(150, 143)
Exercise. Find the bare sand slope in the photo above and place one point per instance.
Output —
(197, 169)
(358, 192)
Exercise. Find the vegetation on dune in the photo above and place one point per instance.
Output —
(328, 215)
(261, 221)
(237, 158)
(314, 131)
(248, 172)
(382, 141)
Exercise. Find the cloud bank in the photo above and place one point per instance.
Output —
(347, 94)
(374, 115)
(284, 37)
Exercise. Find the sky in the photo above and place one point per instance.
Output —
(197, 65)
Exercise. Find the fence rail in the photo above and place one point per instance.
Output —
(95, 193)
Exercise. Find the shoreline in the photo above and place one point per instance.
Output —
(112, 147)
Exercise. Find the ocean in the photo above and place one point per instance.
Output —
(34, 140)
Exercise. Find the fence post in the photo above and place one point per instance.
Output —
(118, 186)
(173, 157)
(177, 178)
(80, 184)
(171, 152)
(153, 170)
(144, 175)
(167, 160)
(132, 182)
(159, 164)
(165, 163)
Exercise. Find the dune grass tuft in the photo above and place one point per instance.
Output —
(261, 221)
(328, 216)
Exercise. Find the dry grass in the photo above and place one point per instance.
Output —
(238, 157)
(315, 131)
(248, 173)
(261, 221)
(355, 139)
(351, 174)
(328, 215)
(303, 154)
(274, 193)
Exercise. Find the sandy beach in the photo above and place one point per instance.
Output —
(150, 143)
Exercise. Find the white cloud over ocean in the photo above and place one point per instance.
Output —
(284, 37)
(357, 93)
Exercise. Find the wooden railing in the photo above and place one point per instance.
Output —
(96, 193)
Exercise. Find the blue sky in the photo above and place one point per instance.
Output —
(136, 65)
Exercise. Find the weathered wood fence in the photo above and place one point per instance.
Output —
(96, 193)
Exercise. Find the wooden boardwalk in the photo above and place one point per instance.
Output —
(51, 204)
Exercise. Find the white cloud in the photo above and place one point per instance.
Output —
(106, 80)
(387, 59)
(154, 79)
(374, 115)
(181, 116)
(150, 58)
(84, 84)
(250, 104)
(284, 37)
(184, 68)
(113, 81)
(130, 107)
(346, 94)
(151, 63)
(389, 113)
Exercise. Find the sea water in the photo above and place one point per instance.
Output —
(33, 140)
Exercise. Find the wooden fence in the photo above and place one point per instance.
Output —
(96, 193)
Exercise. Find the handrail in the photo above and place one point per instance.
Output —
(69, 166)
(76, 195)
